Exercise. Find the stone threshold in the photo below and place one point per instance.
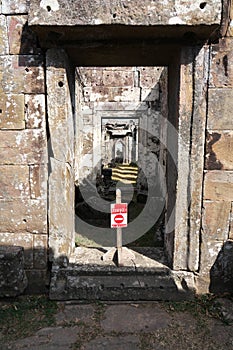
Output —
(89, 277)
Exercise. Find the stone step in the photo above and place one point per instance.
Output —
(88, 277)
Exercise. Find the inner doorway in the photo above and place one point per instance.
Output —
(121, 142)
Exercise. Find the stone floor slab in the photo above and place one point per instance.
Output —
(51, 338)
(74, 313)
(129, 318)
(59, 335)
(221, 334)
(225, 307)
(129, 342)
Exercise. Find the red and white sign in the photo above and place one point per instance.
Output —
(119, 214)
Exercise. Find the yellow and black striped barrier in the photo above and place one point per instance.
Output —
(125, 173)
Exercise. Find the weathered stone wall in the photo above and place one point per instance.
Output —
(23, 161)
(13, 280)
(203, 209)
(216, 247)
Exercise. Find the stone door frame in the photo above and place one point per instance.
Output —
(187, 113)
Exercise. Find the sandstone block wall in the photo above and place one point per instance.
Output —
(23, 144)
(13, 280)
(216, 249)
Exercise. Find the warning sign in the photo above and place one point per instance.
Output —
(119, 215)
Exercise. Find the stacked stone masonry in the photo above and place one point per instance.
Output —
(40, 99)
(216, 249)
(23, 142)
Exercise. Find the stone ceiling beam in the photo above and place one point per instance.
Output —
(104, 32)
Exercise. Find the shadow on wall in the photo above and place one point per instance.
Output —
(212, 163)
(221, 273)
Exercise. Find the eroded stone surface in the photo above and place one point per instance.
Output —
(221, 272)
(218, 185)
(18, 215)
(88, 277)
(14, 181)
(13, 280)
(221, 73)
(4, 44)
(14, 6)
(220, 108)
(35, 111)
(21, 39)
(12, 111)
(146, 319)
(216, 220)
(61, 210)
(60, 83)
(128, 342)
(23, 147)
(22, 74)
(125, 12)
(210, 251)
(74, 313)
(50, 338)
(219, 150)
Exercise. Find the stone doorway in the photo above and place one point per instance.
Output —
(121, 142)
(184, 140)
(194, 43)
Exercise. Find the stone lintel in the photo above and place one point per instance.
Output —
(120, 33)
(137, 12)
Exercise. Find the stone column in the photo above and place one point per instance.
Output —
(60, 101)
(186, 138)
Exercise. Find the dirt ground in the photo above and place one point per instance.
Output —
(31, 323)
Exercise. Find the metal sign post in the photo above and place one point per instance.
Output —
(119, 229)
(119, 232)
(119, 213)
